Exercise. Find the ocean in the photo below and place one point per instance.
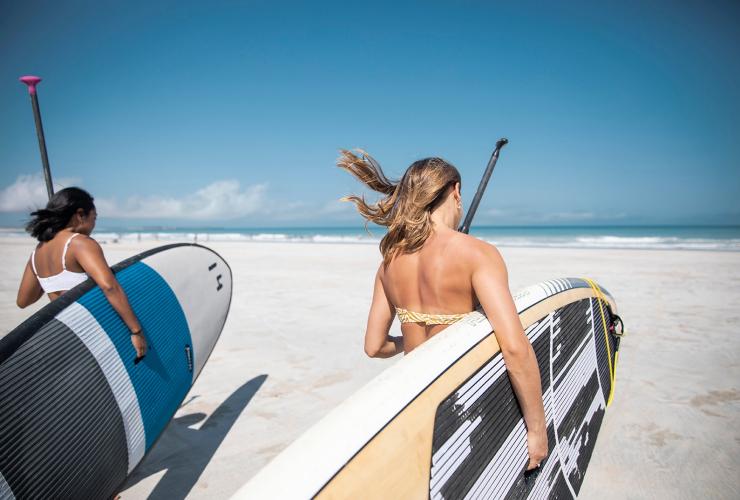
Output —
(717, 238)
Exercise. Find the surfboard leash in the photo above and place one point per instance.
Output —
(612, 366)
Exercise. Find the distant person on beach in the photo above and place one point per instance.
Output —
(66, 256)
(432, 276)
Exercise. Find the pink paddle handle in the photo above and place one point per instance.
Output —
(31, 81)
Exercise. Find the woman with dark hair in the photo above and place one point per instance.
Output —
(66, 256)
(432, 276)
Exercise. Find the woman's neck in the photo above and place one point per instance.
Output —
(442, 218)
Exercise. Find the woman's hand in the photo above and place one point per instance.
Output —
(536, 447)
(139, 343)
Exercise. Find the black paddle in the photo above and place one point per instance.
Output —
(465, 228)
(32, 81)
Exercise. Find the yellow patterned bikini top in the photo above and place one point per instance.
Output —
(406, 316)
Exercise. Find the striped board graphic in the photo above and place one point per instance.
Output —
(443, 422)
(77, 413)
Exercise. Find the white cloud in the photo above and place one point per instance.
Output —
(218, 200)
(28, 193)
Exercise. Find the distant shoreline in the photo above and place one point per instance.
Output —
(700, 238)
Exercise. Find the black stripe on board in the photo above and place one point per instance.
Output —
(62, 433)
(578, 430)
(573, 321)
(541, 349)
(560, 489)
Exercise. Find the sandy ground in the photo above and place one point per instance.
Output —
(292, 350)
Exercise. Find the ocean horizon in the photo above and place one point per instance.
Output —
(667, 237)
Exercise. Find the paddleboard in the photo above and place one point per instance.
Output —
(77, 414)
(444, 422)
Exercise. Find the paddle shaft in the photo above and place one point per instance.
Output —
(32, 82)
(465, 227)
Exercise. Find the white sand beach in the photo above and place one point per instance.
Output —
(292, 350)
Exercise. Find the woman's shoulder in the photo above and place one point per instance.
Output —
(81, 242)
(473, 247)
(477, 254)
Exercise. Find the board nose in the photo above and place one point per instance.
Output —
(201, 279)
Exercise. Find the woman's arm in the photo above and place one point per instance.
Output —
(29, 290)
(378, 344)
(90, 256)
(491, 285)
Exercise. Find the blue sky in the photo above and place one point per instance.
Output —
(231, 113)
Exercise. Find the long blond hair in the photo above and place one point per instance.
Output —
(407, 206)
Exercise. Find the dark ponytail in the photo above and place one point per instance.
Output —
(47, 222)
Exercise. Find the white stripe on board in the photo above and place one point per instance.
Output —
(440, 475)
(575, 379)
(577, 352)
(470, 387)
(534, 331)
(5, 492)
(504, 467)
(87, 328)
(555, 352)
(498, 368)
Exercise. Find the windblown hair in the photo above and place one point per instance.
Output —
(407, 206)
(47, 222)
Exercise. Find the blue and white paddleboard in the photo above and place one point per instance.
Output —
(76, 413)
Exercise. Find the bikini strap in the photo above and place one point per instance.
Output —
(64, 253)
(33, 262)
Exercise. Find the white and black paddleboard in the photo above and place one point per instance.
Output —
(77, 414)
(444, 421)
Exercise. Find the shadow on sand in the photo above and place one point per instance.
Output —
(184, 452)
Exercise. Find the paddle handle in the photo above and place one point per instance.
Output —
(465, 227)
(32, 82)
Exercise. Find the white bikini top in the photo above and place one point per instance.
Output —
(63, 281)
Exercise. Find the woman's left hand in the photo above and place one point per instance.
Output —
(139, 343)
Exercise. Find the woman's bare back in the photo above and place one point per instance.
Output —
(435, 280)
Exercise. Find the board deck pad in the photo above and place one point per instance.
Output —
(78, 414)
(480, 447)
(444, 422)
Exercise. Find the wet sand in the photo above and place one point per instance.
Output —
(292, 350)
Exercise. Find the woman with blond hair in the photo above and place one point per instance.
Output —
(432, 276)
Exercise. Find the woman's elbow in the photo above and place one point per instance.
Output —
(517, 353)
(26, 298)
(372, 351)
(109, 287)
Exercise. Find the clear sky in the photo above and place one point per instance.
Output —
(231, 113)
